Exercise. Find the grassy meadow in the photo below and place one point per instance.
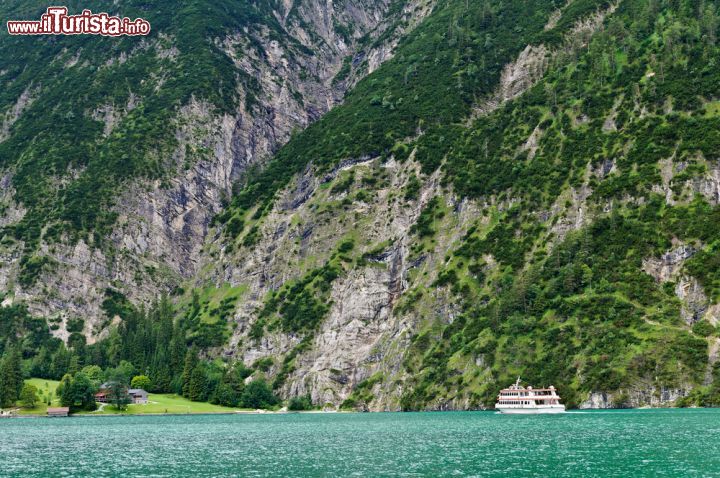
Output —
(164, 403)
(157, 403)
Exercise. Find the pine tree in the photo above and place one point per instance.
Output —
(42, 364)
(191, 362)
(165, 314)
(65, 391)
(74, 366)
(7, 389)
(160, 373)
(11, 379)
(178, 352)
(229, 391)
(197, 389)
(60, 362)
(16, 368)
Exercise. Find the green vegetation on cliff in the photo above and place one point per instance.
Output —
(558, 304)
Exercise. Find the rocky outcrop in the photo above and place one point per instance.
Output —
(414, 11)
(709, 186)
(531, 64)
(517, 78)
(692, 295)
(11, 116)
(670, 267)
(666, 267)
(635, 398)
(713, 357)
(350, 341)
(597, 400)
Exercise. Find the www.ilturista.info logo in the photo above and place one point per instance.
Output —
(56, 21)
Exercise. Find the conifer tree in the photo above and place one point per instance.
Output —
(60, 362)
(191, 361)
(177, 352)
(65, 391)
(7, 393)
(197, 389)
(11, 379)
(160, 372)
(41, 364)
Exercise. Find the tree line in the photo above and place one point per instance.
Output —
(151, 346)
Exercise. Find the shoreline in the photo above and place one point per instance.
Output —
(331, 412)
(162, 414)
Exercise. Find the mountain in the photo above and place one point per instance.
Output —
(379, 205)
(117, 153)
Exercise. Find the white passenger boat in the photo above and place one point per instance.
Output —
(528, 401)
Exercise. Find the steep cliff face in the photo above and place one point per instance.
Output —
(426, 271)
(289, 71)
(361, 335)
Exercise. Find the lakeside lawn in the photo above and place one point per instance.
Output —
(46, 390)
(158, 403)
(164, 403)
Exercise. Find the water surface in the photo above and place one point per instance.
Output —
(631, 443)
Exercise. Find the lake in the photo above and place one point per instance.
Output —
(619, 443)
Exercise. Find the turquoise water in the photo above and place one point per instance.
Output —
(632, 443)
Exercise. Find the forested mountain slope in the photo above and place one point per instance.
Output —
(526, 188)
(116, 153)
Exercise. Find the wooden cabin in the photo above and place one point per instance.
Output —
(58, 412)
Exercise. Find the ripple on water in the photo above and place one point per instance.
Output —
(482, 444)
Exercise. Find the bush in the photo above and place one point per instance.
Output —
(703, 328)
(141, 381)
(28, 396)
(257, 394)
(297, 404)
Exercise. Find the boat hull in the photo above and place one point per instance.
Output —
(532, 411)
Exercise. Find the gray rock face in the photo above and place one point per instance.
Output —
(531, 64)
(636, 398)
(670, 267)
(360, 335)
(517, 78)
(11, 116)
(350, 340)
(709, 186)
(364, 334)
(669, 264)
(695, 302)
